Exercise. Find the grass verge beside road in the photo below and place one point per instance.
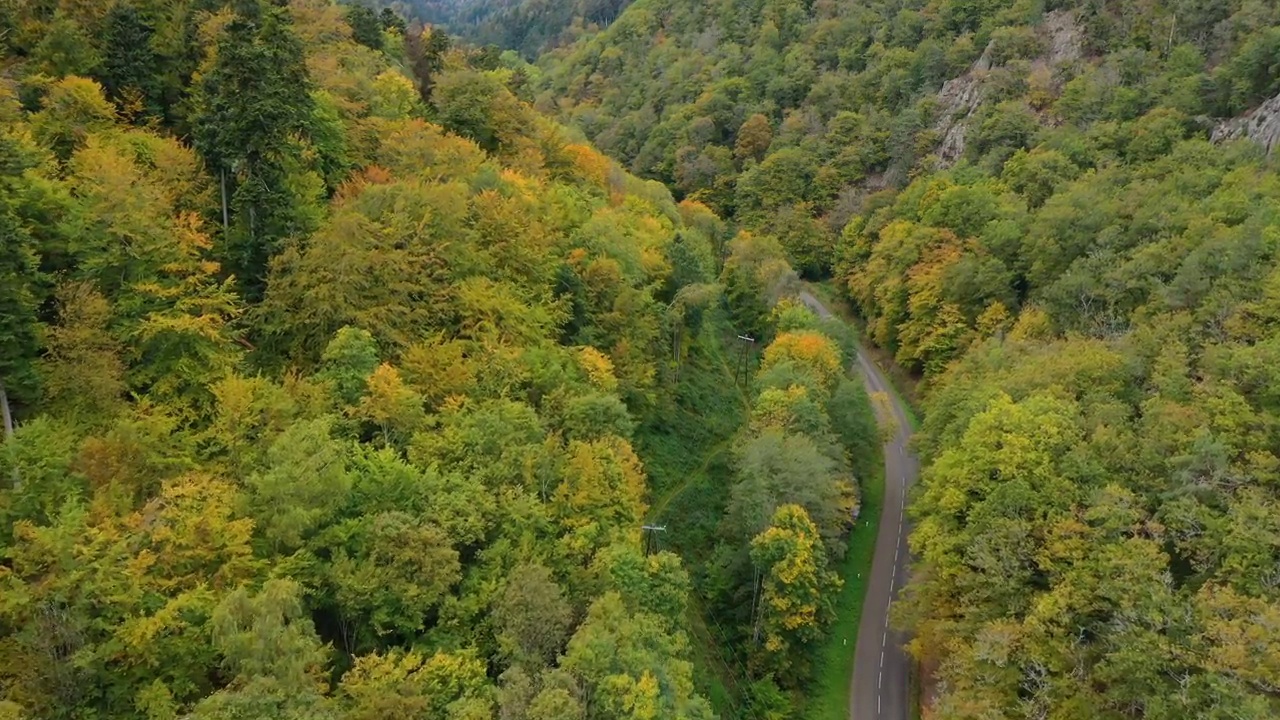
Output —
(833, 661)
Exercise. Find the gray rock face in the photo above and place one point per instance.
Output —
(959, 97)
(1066, 41)
(957, 101)
(1261, 125)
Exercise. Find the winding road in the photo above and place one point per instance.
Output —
(881, 668)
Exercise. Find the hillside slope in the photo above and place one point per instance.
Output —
(527, 27)
(1047, 212)
(786, 114)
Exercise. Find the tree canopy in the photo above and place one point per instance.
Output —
(328, 351)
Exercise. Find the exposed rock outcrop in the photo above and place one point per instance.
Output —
(1261, 125)
(957, 101)
(1066, 39)
(960, 97)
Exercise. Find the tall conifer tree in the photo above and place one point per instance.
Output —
(254, 111)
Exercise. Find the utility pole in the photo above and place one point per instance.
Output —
(651, 537)
(742, 369)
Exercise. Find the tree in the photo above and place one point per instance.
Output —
(783, 178)
(389, 404)
(534, 617)
(128, 70)
(18, 378)
(303, 485)
(478, 106)
(65, 48)
(426, 52)
(811, 350)
(774, 469)
(808, 242)
(253, 106)
(366, 27)
(409, 686)
(73, 109)
(753, 139)
(134, 624)
(391, 21)
(656, 584)
(348, 362)
(600, 498)
(630, 666)
(854, 422)
(395, 570)
(796, 592)
(395, 96)
(82, 366)
(268, 643)
(136, 242)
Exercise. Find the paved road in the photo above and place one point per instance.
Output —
(878, 689)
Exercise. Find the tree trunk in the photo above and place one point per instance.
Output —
(226, 217)
(8, 430)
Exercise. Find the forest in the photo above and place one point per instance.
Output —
(348, 350)
(526, 28)
(1060, 217)
(339, 382)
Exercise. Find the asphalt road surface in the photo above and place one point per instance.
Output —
(878, 688)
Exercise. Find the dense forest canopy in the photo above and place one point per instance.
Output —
(526, 27)
(1062, 217)
(339, 380)
(333, 374)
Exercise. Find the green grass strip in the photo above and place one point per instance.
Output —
(833, 662)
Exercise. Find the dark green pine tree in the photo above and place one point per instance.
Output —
(426, 55)
(254, 109)
(748, 306)
(391, 21)
(18, 278)
(129, 65)
(366, 27)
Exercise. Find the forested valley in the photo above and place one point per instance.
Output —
(389, 359)
(1061, 217)
(338, 382)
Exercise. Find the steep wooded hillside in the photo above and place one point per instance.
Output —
(527, 27)
(1046, 212)
(786, 114)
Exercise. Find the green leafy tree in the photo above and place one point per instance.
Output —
(303, 485)
(796, 591)
(348, 362)
(397, 569)
(73, 109)
(18, 378)
(775, 469)
(478, 106)
(534, 616)
(630, 665)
